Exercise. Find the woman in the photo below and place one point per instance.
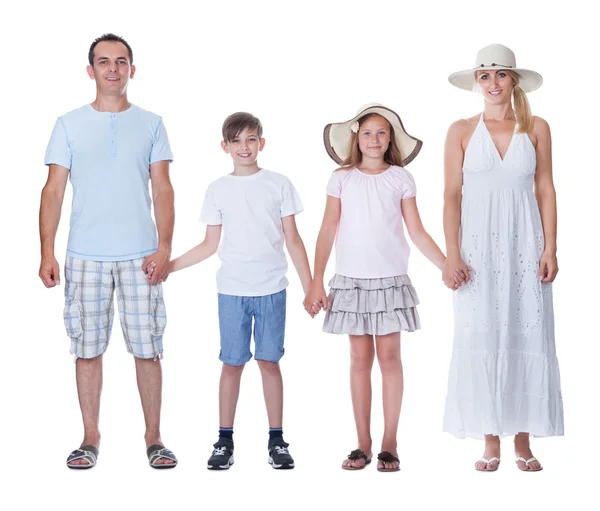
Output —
(500, 227)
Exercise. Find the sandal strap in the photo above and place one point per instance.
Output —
(527, 462)
(387, 457)
(86, 452)
(155, 452)
(487, 462)
(357, 454)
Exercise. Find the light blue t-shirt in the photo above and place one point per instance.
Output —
(109, 157)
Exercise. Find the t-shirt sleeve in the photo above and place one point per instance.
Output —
(291, 204)
(211, 214)
(334, 186)
(161, 150)
(410, 188)
(58, 151)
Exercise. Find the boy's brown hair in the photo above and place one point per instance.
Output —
(236, 123)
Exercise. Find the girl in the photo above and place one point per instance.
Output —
(371, 294)
(504, 377)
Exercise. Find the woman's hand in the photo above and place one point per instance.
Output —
(548, 266)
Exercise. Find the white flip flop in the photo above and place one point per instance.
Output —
(487, 462)
(527, 462)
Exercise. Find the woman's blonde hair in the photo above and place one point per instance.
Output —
(392, 156)
(521, 105)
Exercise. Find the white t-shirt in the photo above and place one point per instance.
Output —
(250, 208)
(370, 240)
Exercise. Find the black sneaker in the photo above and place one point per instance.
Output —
(222, 455)
(279, 456)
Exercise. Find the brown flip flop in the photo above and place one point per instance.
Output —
(357, 454)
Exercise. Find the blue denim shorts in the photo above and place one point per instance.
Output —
(235, 323)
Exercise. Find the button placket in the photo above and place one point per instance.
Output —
(113, 134)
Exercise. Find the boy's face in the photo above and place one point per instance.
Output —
(244, 148)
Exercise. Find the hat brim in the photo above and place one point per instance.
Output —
(528, 80)
(337, 136)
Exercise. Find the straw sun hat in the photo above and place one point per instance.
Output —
(337, 135)
(494, 57)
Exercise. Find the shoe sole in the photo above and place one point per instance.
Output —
(283, 466)
(221, 467)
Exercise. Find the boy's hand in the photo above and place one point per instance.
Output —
(315, 300)
(156, 267)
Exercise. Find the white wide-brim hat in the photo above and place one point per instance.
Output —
(494, 57)
(337, 135)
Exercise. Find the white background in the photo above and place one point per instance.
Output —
(297, 66)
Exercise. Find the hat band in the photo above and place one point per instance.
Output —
(493, 64)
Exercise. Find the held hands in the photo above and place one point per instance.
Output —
(156, 267)
(50, 272)
(315, 300)
(455, 273)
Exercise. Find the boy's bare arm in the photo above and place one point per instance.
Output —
(297, 251)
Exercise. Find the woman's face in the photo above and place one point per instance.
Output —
(496, 86)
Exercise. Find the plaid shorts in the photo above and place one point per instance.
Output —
(89, 307)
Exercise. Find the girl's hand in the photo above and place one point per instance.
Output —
(455, 273)
(548, 267)
(316, 299)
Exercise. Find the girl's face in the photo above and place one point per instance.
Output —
(496, 86)
(374, 137)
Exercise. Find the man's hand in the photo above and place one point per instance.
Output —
(50, 271)
(156, 266)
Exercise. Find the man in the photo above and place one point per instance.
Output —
(109, 149)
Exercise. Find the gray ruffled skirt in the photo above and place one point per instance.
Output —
(371, 306)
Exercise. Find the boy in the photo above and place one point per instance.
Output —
(255, 208)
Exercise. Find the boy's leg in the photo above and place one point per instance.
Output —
(88, 319)
(388, 356)
(273, 392)
(362, 354)
(229, 391)
(235, 324)
(269, 334)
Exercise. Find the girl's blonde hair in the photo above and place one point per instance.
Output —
(392, 156)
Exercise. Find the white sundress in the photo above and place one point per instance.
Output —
(504, 377)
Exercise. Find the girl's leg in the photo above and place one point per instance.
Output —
(388, 356)
(362, 354)
(492, 450)
(523, 450)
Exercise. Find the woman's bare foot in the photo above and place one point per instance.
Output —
(392, 466)
(492, 450)
(355, 462)
(523, 451)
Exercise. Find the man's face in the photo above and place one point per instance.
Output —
(112, 69)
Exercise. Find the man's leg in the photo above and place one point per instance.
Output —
(88, 320)
(88, 374)
(149, 381)
(143, 318)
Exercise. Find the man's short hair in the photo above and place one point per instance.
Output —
(236, 123)
(109, 37)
